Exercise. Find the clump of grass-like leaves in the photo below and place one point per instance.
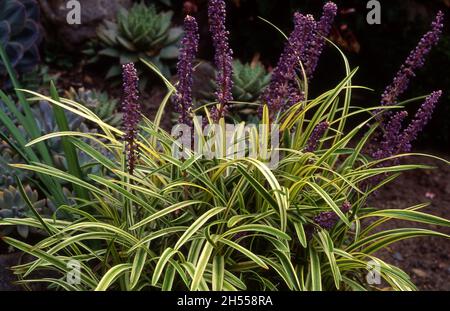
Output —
(166, 223)
(224, 224)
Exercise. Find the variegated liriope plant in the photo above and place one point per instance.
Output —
(166, 223)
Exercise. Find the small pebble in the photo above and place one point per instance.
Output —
(398, 256)
(430, 195)
(88, 79)
(420, 273)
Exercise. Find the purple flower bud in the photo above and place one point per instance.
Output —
(395, 142)
(283, 90)
(391, 137)
(131, 113)
(421, 119)
(346, 207)
(223, 56)
(415, 60)
(316, 135)
(327, 220)
(317, 40)
(185, 67)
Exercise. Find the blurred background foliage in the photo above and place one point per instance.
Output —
(20, 34)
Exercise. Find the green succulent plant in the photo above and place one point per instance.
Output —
(141, 32)
(249, 80)
(39, 78)
(8, 155)
(12, 205)
(20, 34)
(8, 173)
(105, 107)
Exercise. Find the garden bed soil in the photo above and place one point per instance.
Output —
(9, 258)
(425, 259)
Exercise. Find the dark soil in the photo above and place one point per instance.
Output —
(425, 259)
(10, 258)
(7, 278)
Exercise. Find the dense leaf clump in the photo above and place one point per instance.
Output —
(293, 215)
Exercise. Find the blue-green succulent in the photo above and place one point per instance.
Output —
(141, 32)
(249, 80)
(13, 205)
(8, 173)
(100, 103)
(20, 34)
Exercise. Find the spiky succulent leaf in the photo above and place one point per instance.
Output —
(249, 80)
(100, 103)
(141, 32)
(12, 205)
(8, 173)
(20, 33)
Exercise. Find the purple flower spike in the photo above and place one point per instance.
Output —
(223, 56)
(395, 142)
(185, 68)
(421, 119)
(327, 220)
(282, 91)
(391, 137)
(305, 45)
(317, 41)
(415, 60)
(346, 207)
(131, 113)
(316, 135)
